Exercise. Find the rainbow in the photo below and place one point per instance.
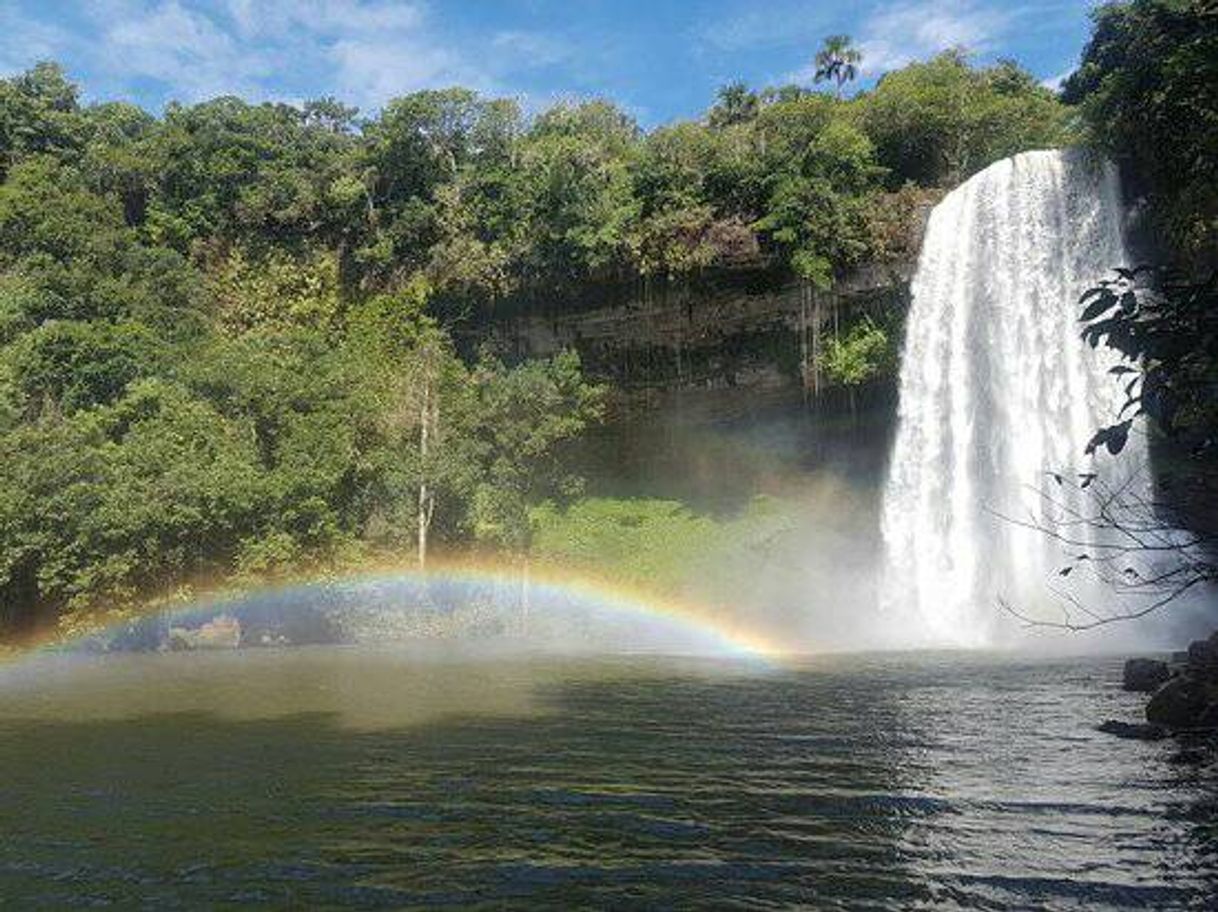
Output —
(578, 595)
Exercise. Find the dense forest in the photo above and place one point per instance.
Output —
(226, 342)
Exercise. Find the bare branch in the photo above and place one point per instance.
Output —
(1098, 620)
(1121, 540)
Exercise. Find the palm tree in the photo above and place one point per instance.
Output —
(736, 105)
(837, 60)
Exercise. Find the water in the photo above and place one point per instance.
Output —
(343, 777)
(997, 390)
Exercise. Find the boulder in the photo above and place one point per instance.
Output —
(1134, 731)
(1178, 703)
(1203, 658)
(1209, 716)
(1144, 675)
(1190, 756)
(223, 632)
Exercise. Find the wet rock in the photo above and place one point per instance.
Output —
(1203, 658)
(1190, 756)
(1209, 716)
(1134, 731)
(1144, 675)
(1178, 703)
(224, 632)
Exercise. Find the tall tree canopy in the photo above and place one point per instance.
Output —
(1147, 88)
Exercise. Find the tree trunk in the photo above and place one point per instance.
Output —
(524, 594)
(816, 341)
(427, 500)
(803, 339)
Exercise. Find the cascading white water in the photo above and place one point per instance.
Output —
(996, 391)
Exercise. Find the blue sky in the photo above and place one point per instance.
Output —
(661, 59)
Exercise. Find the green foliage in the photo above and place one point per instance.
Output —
(1147, 89)
(225, 169)
(861, 355)
(838, 60)
(69, 365)
(735, 104)
(1167, 332)
(573, 169)
(39, 113)
(265, 450)
(941, 121)
(658, 545)
(524, 416)
(818, 167)
(697, 187)
(109, 502)
(278, 288)
(75, 256)
(651, 543)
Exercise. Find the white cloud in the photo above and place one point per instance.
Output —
(531, 49)
(889, 34)
(367, 51)
(276, 18)
(897, 34)
(364, 51)
(375, 70)
(187, 50)
(777, 23)
(23, 41)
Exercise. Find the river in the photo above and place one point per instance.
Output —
(347, 777)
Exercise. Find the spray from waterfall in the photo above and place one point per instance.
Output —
(997, 392)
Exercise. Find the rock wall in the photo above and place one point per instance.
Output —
(725, 342)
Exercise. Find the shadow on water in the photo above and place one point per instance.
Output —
(859, 783)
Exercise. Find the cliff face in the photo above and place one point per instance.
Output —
(723, 343)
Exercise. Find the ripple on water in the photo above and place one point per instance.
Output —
(863, 783)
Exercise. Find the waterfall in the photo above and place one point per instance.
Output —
(997, 390)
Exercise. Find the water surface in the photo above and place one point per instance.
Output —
(348, 778)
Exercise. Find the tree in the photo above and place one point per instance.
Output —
(415, 389)
(818, 167)
(277, 287)
(66, 366)
(938, 122)
(1147, 90)
(837, 60)
(735, 104)
(858, 358)
(115, 159)
(228, 170)
(39, 114)
(573, 180)
(525, 415)
(112, 503)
